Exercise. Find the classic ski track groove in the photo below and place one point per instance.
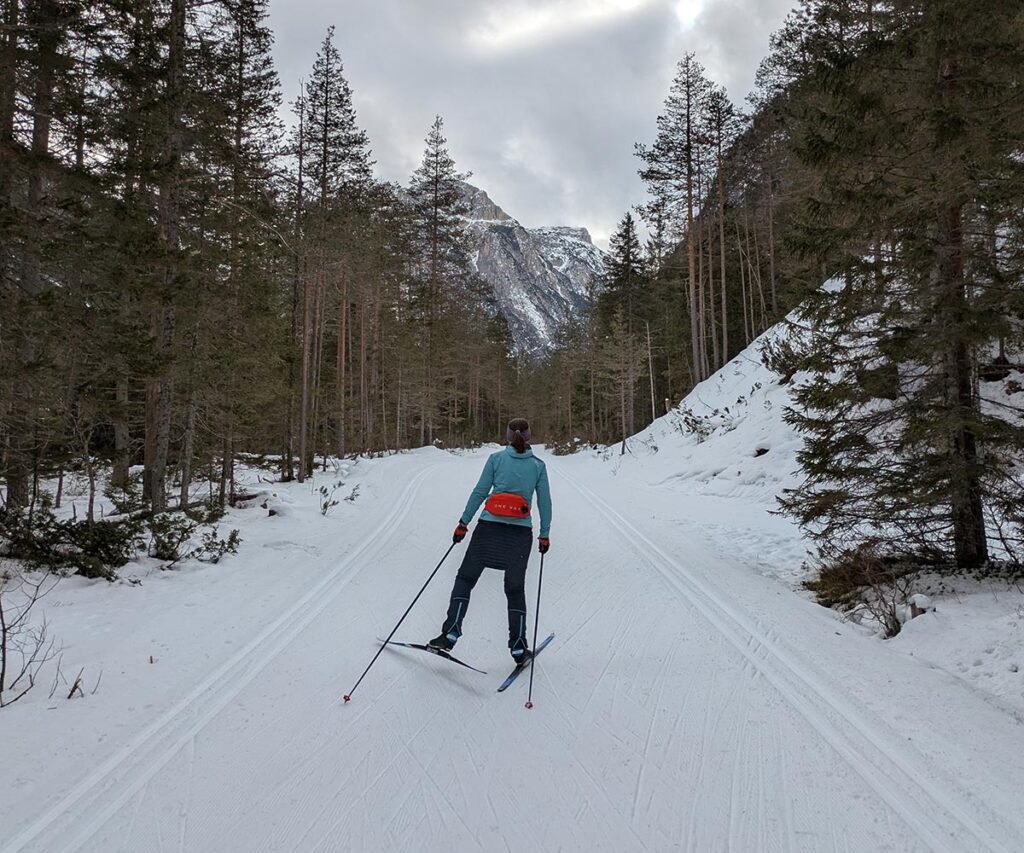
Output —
(212, 690)
(801, 689)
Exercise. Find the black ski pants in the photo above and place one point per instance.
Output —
(497, 546)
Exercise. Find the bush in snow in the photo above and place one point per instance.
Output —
(213, 547)
(568, 446)
(172, 535)
(169, 534)
(327, 499)
(868, 585)
(91, 548)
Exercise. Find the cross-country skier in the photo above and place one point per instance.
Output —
(503, 536)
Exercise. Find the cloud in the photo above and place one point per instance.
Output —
(542, 99)
(523, 24)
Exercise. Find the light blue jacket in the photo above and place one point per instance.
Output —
(519, 473)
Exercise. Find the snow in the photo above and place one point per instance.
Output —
(693, 699)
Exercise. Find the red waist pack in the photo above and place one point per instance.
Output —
(508, 505)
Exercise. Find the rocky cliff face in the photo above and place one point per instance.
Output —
(540, 276)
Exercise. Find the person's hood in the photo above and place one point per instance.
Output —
(526, 454)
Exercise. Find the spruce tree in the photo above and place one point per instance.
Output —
(909, 120)
(623, 300)
(337, 150)
(442, 262)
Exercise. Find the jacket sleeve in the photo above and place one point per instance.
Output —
(480, 492)
(544, 502)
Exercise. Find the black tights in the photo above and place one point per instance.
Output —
(498, 546)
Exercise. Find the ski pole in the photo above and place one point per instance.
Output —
(348, 695)
(536, 622)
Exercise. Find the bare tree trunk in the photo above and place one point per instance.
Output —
(10, 465)
(650, 371)
(622, 402)
(716, 362)
(160, 389)
(90, 473)
(307, 344)
(593, 404)
(120, 475)
(721, 261)
(398, 407)
(341, 413)
(696, 374)
(743, 287)
(23, 449)
(9, 29)
(702, 311)
(299, 275)
(755, 273)
(187, 449)
(969, 540)
(319, 321)
(363, 392)
(771, 247)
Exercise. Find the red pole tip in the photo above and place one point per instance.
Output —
(529, 704)
(346, 697)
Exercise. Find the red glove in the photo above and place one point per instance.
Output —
(543, 544)
(460, 532)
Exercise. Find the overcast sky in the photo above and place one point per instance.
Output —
(542, 99)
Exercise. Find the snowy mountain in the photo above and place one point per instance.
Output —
(540, 276)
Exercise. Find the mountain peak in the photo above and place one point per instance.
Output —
(480, 207)
(541, 277)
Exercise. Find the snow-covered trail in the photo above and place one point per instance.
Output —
(686, 704)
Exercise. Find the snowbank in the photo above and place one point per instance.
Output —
(723, 455)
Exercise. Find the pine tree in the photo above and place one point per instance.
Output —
(334, 157)
(671, 172)
(903, 123)
(622, 286)
(442, 265)
(623, 299)
(723, 126)
(337, 150)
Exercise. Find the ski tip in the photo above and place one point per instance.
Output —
(528, 705)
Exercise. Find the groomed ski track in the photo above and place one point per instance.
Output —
(688, 704)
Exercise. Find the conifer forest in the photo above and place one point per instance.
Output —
(185, 277)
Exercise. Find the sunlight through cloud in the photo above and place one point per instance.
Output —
(521, 25)
(687, 11)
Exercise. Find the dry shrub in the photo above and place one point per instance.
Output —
(864, 579)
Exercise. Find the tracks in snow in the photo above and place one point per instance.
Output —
(116, 780)
(936, 814)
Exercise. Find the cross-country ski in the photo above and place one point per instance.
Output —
(518, 669)
(436, 652)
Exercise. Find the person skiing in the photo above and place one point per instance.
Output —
(502, 537)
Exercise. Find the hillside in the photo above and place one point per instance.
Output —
(725, 453)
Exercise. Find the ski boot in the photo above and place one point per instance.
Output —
(521, 654)
(442, 643)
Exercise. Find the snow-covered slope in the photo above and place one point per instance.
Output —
(725, 453)
(540, 277)
(728, 436)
